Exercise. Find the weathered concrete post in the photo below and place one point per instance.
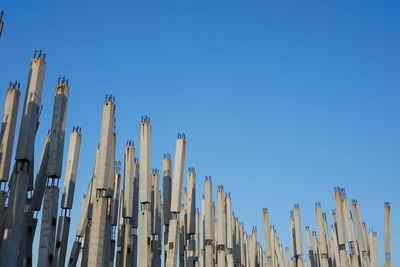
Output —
(22, 176)
(99, 247)
(176, 201)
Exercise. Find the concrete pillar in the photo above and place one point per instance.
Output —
(388, 249)
(253, 248)
(73, 259)
(335, 246)
(129, 176)
(13, 226)
(267, 238)
(145, 193)
(298, 236)
(99, 247)
(191, 219)
(340, 228)
(81, 230)
(230, 231)
(323, 251)
(362, 239)
(197, 238)
(41, 179)
(57, 132)
(182, 233)
(221, 236)
(54, 164)
(115, 198)
(127, 207)
(373, 249)
(48, 226)
(71, 168)
(242, 245)
(167, 190)
(67, 197)
(179, 162)
(7, 134)
(31, 110)
(24, 157)
(236, 249)
(208, 224)
(316, 247)
(156, 231)
(350, 233)
(176, 200)
(100, 233)
(310, 248)
(145, 160)
(62, 240)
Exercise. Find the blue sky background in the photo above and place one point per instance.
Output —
(280, 100)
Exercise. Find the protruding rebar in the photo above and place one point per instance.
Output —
(145, 119)
(14, 85)
(39, 54)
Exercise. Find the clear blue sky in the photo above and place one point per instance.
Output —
(280, 100)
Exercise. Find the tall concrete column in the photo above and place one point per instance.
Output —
(229, 232)
(208, 224)
(57, 132)
(341, 237)
(7, 134)
(53, 172)
(145, 193)
(323, 248)
(191, 219)
(335, 245)
(252, 248)
(82, 226)
(310, 247)
(350, 233)
(176, 200)
(156, 231)
(7, 142)
(99, 247)
(267, 238)
(197, 238)
(236, 250)
(315, 244)
(19, 184)
(67, 197)
(221, 227)
(127, 209)
(388, 249)
(48, 226)
(135, 221)
(373, 249)
(167, 190)
(298, 236)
